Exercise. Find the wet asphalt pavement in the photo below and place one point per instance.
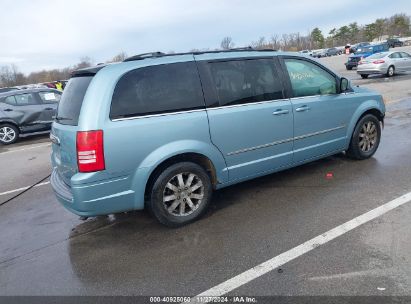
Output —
(45, 250)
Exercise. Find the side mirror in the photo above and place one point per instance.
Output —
(344, 84)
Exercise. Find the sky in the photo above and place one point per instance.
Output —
(45, 34)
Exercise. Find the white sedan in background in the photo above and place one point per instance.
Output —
(387, 63)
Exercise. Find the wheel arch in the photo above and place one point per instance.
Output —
(202, 153)
(197, 158)
(372, 107)
(9, 122)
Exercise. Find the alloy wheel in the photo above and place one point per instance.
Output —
(7, 134)
(368, 136)
(183, 194)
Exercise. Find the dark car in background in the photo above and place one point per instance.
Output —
(353, 60)
(359, 47)
(333, 51)
(394, 42)
(23, 112)
(320, 53)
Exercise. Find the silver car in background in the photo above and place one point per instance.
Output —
(387, 63)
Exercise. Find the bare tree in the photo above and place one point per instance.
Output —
(275, 42)
(10, 76)
(259, 44)
(119, 57)
(85, 62)
(227, 43)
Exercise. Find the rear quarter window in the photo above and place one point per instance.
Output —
(72, 100)
(157, 89)
(50, 97)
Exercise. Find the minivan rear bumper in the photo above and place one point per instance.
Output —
(93, 199)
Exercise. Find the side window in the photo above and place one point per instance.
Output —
(308, 79)
(50, 97)
(11, 100)
(25, 99)
(405, 55)
(395, 55)
(245, 81)
(157, 89)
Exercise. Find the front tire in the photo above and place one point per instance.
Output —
(9, 134)
(364, 76)
(180, 194)
(366, 138)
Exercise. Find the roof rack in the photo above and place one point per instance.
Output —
(145, 55)
(161, 54)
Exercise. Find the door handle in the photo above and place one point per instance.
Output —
(8, 110)
(280, 112)
(302, 108)
(48, 109)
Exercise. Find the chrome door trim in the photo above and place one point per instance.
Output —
(285, 140)
(313, 96)
(158, 115)
(199, 110)
(319, 132)
(261, 146)
(248, 104)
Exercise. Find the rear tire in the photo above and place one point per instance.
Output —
(391, 71)
(366, 138)
(364, 76)
(349, 68)
(9, 134)
(180, 194)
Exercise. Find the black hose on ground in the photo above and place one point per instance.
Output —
(24, 191)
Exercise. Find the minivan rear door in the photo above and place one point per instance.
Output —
(64, 129)
(251, 122)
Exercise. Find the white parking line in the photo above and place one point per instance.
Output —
(24, 188)
(267, 266)
(24, 149)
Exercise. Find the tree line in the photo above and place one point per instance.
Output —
(10, 75)
(396, 25)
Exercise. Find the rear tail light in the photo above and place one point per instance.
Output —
(378, 61)
(90, 153)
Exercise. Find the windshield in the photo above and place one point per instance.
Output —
(72, 99)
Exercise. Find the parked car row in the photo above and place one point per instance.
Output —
(58, 85)
(327, 52)
(364, 51)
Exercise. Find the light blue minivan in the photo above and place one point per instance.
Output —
(163, 131)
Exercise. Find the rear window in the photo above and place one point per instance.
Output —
(50, 97)
(72, 99)
(157, 89)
